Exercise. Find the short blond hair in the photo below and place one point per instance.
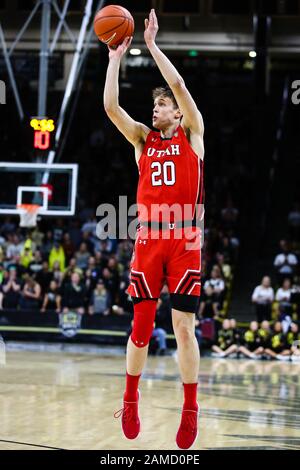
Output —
(166, 92)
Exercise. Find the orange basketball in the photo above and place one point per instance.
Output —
(112, 24)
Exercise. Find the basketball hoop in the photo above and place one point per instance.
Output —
(28, 214)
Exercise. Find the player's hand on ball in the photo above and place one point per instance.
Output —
(151, 28)
(121, 49)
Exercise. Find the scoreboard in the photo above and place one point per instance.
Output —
(43, 128)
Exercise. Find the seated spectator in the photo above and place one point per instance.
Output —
(72, 268)
(285, 262)
(57, 255)
(283, 296)
(11, 288)
(82, 256)
(159, 335)
(251, 343)
(293, 341)
(124, 251)
(73, 296)
(277, 343)
(44, 276)
(217, 283)
(31, 295)
(26, 256)
(95, 271)
(15, 263)
(236, 331)
(14, 247)
(208, 303)
(262, 297)
(86, 237)
(52, 299)
(225, 268)
(36, 264)
(264, 332)
(68, 247)
(47, 244)
(100, 300)
(225, 341)
(292, 337)
(57, 274)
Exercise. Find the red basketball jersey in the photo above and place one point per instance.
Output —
(170, 173)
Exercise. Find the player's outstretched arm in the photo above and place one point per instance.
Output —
(133, 131)
(191, 115)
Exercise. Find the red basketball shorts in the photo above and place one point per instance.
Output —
(156, 260)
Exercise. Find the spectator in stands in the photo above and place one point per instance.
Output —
(82, 256)
(277, 344)
(36, 264)
(73, 296)
(95, 271)
(86, 238)
(251, 346)
(11, 288)
(52, 299)
(68, 246)
(44, 276)
(217, 283)
(264, 332)
(72, 268)
(225, 247)
(208, 303)
(160, 336)
(262, 297)
(57, 255)
(14, 247)
(294, 222)
(236, 331)
(293, 341)
(229, 214)
(283, 295)
(225, 341)
(57, 274)
(293, 337)
(100, 300)
(47, 244)
(224, 267)
(285, 262)
(31, 295)
(26, 254)
(124, 251)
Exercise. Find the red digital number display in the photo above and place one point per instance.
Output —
(41, 140)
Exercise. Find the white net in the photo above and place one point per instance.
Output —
(28, 214)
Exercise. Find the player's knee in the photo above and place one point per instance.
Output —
(143, 322)
(184, 333)
(184, 303)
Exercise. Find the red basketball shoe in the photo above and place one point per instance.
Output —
(130, 418)
(188, 429)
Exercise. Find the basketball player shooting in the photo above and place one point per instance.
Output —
(170, 163)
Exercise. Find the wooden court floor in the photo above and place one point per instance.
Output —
(66, 401)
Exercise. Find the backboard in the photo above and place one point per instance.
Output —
(52, 186)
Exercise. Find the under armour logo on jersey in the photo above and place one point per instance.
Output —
(142, 242)
(174, 149)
